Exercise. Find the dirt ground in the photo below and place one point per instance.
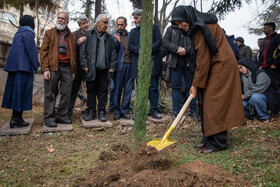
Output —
(120, 163)
(147, 167)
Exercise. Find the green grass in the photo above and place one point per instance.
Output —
(253, 153)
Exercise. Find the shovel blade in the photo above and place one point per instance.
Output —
(159, 145)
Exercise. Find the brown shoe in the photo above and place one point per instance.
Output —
(207, 151)
(200, 145)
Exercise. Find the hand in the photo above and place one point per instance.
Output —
(111, 70)
(273, 66)
(193, 91)
(73, 76)
(117, 37)
(260, 67)
(181, 51)
(47, 75)
(85, 69)
(81, 40)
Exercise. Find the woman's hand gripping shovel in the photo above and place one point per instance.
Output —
(160, 144)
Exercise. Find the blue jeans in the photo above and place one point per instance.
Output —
(112, 88)
(259, 103)
(154, 94)
(177, 74)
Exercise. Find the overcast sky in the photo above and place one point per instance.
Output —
(234, 23)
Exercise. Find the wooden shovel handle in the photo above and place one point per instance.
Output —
(182, 111)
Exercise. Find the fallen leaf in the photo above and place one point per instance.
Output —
(50, 149)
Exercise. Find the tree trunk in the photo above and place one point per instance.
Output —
(144, 72)
(21, 10)
(88, 9)
(97, 8)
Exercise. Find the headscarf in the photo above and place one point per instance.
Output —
(249, 64)
(196, 20)
(27, 20)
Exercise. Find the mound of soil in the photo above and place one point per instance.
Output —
(146, 167)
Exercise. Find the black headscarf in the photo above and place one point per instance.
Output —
(27, 20)
(249, 64)
(196, 20)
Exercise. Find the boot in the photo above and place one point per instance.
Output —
(22, 120)
(15, 120)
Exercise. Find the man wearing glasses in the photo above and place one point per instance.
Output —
(98, 57)
(123, 81)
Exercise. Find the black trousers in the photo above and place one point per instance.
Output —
(74, 93)
(97, 88)
(215, 142)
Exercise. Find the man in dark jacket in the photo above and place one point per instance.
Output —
(58, 62)
(97, 58)
(79, 38)
(178, 47)
(243, 50)
(268, 46)
(123, 81)
(134, 45)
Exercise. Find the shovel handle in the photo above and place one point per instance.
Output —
(182, 111)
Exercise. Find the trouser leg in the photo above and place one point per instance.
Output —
(154, 93)
(91, 95)
(102, 89)
(66, 80)
(127, 89)
(50, 93)
(74, 93)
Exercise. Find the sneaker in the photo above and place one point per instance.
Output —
(195, 116)
(89, 116)
(264, 120)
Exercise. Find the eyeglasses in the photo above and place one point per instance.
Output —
(120, 24)
(105, 22)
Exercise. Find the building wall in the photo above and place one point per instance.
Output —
(43, 22)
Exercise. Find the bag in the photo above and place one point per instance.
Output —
(165, 74)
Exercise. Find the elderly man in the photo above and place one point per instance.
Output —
(98, 57)
(58, 61)
(123, 81)
(134, 45)
(79, 38)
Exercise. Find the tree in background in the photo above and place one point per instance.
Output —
(144, 72)
(271, 12)
(164, 8)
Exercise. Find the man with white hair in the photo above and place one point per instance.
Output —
(79, 38)
(58, 62)
(98, 58)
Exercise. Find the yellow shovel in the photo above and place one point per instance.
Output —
(160, 144)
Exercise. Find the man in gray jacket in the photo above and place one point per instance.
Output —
(244, 50)
(98, 58)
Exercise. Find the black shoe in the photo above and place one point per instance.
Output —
(195, 116)
(89, 116)
(16, 121)
(64, 121)
(102, 116)
(51, 124)
(22, 120)
(125, 116)
(117, 116)
(156, 115)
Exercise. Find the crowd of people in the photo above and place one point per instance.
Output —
(218, 70)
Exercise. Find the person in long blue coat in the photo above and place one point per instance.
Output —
(21, 64)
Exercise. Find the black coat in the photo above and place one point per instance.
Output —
(274, 43)
(88, 53)
(171, 42)
(134, 45)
